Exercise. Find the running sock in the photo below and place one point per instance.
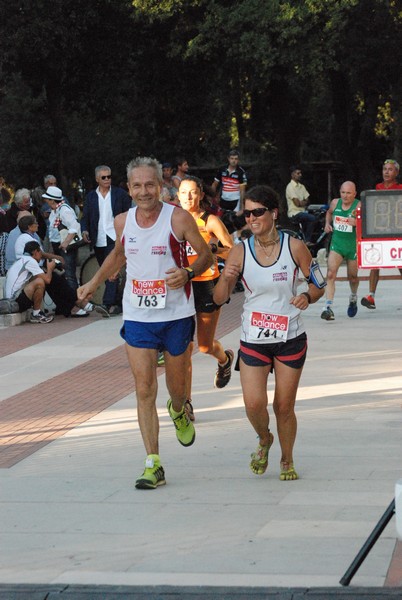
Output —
(353, 298)
(35, 312)
(329, 303)
(173, 413)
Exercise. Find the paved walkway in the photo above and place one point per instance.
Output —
(70, 450)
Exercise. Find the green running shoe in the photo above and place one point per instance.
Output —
(153, 475)
(185, 431)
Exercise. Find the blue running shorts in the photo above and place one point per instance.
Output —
(173, 336)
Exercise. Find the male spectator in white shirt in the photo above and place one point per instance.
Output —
(298, 199)
(101, 206)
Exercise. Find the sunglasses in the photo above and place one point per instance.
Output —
(256, 212)
(106, 177)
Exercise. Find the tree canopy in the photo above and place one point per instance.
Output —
(285, 81)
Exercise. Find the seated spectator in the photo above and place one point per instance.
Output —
(63, 217)
(26, 283)
(12, 238)
(22, 201)
(29, 232)
(297, 198)
(29, 226)
(55, 284)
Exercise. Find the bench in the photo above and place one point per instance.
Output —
(11, 319)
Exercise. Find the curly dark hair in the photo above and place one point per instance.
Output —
(263, 194)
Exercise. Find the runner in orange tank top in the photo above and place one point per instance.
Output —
(207, 312)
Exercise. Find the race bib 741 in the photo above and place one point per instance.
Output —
(268, 325)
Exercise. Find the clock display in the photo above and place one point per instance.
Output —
(381, 214)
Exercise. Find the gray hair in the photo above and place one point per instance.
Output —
(100, 168)
(145, 161)
(48, 178)
(392, 162)
(26, 222)
(20, 196)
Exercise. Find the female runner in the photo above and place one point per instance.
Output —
(212, 229)
(272, 333)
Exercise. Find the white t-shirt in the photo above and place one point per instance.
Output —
(106, 220)
(23, 239)
(19, 274)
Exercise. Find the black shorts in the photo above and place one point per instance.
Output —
(203, 291)
(23, 301)
(228, 204)
(291, 353)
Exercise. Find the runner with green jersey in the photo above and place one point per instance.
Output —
(340, 220)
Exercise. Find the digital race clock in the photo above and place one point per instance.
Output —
(379, 229)
(381, 214)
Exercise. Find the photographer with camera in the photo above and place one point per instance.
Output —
(26, 283)
(21, 295)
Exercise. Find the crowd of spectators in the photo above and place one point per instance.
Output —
(47, 216)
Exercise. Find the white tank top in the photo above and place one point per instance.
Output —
(150, 252)
(267, 317)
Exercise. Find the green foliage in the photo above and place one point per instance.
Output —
(287, 80)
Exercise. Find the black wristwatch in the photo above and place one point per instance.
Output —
(190, 273)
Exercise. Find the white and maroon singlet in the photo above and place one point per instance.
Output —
(150, 252)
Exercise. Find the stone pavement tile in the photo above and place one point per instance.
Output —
(71, 510)
(13, 339)
(61, 403)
